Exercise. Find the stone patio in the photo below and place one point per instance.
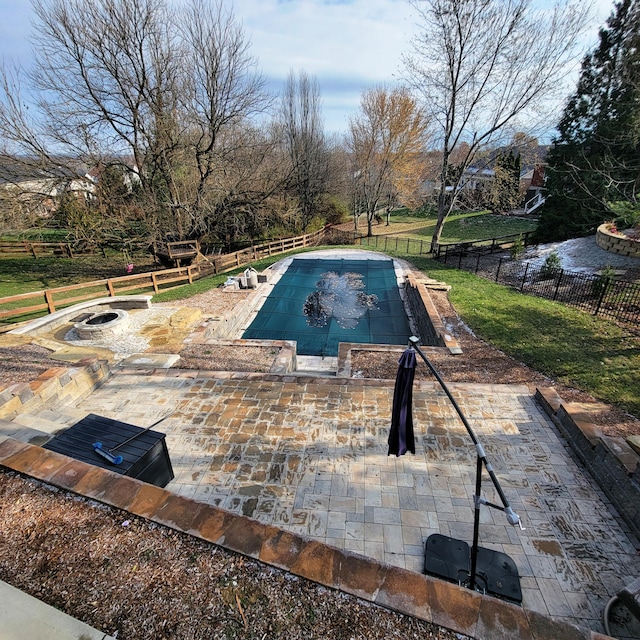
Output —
(309, 455)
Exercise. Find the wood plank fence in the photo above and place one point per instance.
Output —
(49, 300)
(35, 249)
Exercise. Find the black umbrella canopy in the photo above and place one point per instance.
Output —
(401, 437)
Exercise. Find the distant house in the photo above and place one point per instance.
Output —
(477, 179)
(532, 184)
(36, 189)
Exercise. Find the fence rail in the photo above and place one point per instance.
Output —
(33, 248)
(413, 246)
(599, 295)
(49, 300)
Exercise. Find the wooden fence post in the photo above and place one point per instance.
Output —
(49, 299)
(155, 282)
(112, 292)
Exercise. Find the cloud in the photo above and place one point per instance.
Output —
(348, 45)
(357, 37)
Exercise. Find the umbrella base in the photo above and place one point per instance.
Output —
(450, 559)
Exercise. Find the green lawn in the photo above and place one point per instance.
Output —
(568, 345)
(23, 275)
(464, 227)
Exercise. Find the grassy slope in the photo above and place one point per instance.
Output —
(568, 345)
(462, 227)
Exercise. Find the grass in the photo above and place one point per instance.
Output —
(466, 227)
(568, 345)
(26, 274)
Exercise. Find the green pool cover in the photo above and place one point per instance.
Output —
(320, 303)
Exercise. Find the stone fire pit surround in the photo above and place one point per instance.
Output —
(103, 324)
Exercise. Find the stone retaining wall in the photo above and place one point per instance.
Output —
(56, 387)
(616, 244)
(232, 323)
(614, 465)
(426, 317)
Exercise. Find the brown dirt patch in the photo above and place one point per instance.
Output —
(224, 358)
(22, 363)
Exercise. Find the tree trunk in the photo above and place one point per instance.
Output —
(370, 217)
(444, 208)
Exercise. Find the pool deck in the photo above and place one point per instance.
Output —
(309, 455)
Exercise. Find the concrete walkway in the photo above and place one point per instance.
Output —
(26, 618)
(310, 455)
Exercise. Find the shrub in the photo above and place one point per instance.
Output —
(552, 265)
(599, 285)
(517, 248)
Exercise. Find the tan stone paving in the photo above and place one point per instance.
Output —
(310, 455)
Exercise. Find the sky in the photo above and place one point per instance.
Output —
(349, 45)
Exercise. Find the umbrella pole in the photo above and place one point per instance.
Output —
(476, 525)
(512, 517)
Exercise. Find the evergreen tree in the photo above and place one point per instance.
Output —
(595, 159)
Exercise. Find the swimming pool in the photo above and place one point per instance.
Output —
(320, 303)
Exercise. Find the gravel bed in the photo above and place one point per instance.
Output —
(225, 358)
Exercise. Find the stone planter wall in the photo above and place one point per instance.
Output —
(613, 464)
(616, 244)
(426, 316)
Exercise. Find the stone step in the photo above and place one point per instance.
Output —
(313, 372)
(50, 427)
(22, 433)
(67, 416)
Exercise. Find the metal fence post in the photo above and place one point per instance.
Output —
(607, 282)
(524, 277)
(498, 269)
(555, 293)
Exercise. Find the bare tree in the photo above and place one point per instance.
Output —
(387, 141)
(222, 92)
(142, 80)
(303, 129)
(482, 67)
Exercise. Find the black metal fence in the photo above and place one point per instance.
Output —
(408, 246)
(598, 294)
(416, 247)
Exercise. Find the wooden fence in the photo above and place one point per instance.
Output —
(32, 248)
(51, 299)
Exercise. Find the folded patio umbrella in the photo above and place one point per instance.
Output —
(401, 437)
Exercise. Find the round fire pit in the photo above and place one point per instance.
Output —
(103, 324)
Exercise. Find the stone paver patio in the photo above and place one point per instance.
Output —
(310, 455)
